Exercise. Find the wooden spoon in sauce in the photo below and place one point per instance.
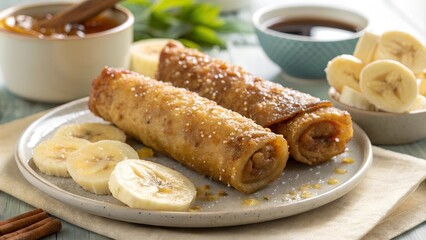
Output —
(77, 13)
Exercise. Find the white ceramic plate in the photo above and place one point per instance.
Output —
(300, 188)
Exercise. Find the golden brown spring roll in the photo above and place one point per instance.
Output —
(193, 130)
(314, 129)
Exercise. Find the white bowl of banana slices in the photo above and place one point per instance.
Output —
(383, 86)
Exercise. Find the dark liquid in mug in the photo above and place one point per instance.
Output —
(314, 28)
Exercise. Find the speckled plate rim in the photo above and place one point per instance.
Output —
(183, 219)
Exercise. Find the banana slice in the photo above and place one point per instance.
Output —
(91, 165)
(422, 87)
(366, 47)
(147, 185)
(404, 48)
(50, 156)
(355, 99)
(419, 104)
(145, 55)
(421, 78)
(389, 85)
(344, 70)
(92, 131)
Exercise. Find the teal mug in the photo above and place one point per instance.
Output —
(301, 39)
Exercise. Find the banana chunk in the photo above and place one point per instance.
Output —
(365, 48)
(91, 165)
(422, 87)
(344, 70)
(389, 85)
(355, 99)
(50, 156)
(421, 78)
(419, 104)
(151, 186)
(145, 55)
(404, 48)
(91, 131)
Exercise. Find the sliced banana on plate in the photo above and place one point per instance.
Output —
(419, 104)
(389, 85)
(354, 98)
(91, 165)
(422, 87)
(145, 55)
(404, 48)
(91, 131)
(421, 80)
(151, 186)
(50, 156)
(344, 70)
(366, 47)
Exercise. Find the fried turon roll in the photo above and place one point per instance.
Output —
(314, 129)
(193, 130)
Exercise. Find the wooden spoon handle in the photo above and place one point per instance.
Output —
(78, 13)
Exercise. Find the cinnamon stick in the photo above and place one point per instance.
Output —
(26, 229)
(37, 230)
(78, 13)
(12, 226)
(21, 216)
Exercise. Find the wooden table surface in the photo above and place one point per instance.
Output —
(244, 50)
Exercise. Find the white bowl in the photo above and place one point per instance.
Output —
(60, 70)
(386, 128)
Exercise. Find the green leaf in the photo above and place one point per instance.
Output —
(203, 14)
(181, 29)
(160, 21)
(190, 44)
(163, 5)
(197, 24)
(205, 35)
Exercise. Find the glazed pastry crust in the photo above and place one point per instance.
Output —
(293, 114)
(231, 86)
(193, 130)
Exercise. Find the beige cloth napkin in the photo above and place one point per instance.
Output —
(382, 206)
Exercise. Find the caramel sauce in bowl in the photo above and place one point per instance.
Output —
(22, 20)
(301, 38)
(58, 65)
(26, 25)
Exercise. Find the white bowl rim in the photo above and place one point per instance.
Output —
(260, 12)
(11, 10)
(332, 93)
